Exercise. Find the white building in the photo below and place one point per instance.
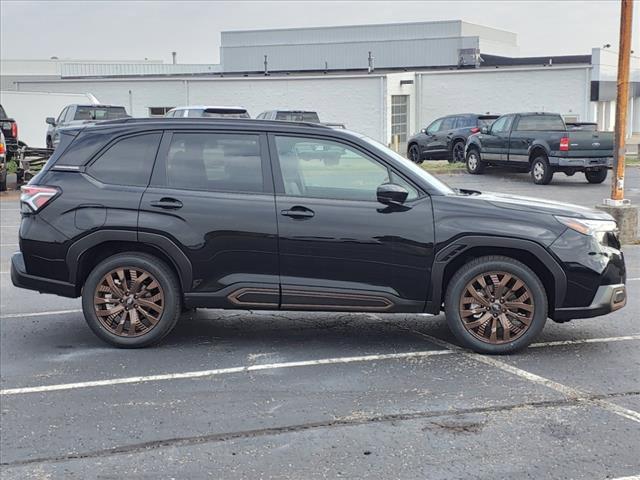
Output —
(415, 73)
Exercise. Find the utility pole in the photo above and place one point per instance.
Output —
(620, 208)
(622, 103)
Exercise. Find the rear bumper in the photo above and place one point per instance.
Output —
(608, 298)
(581, 162)
(20, 278)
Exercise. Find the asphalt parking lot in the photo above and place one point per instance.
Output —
(291, 395)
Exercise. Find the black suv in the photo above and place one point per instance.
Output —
(445, 138)
(146, 217)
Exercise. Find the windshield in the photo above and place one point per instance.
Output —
(100, 113)
(436, 184)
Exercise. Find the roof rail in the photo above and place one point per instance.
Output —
(209, 120)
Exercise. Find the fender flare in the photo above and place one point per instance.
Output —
(456, 247)
(177, 257)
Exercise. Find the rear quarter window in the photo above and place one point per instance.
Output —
(128, 161)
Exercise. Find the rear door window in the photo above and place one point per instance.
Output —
(215, 161)
(128, 161)
(448, 123)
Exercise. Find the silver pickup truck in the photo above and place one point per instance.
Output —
(541, 144)
(79, 114)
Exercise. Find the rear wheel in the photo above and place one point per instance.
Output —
(541, 171)
(496, 305)
(131, 300)
(474, 164)
(414, 154)
(596, 176)
(457, 152)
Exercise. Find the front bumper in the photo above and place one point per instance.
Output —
(581, 162)
(20, 278)
(608, 298)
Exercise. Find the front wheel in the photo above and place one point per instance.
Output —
(474, 164)
(131, 300)
(541, 171)
(496, 305)
(414, 154)
(596, 176)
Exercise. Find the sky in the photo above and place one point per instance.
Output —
(129, 30)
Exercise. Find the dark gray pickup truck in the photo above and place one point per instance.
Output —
(541, 144)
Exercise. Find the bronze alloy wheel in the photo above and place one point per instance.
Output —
(128, 301)
(496, 307)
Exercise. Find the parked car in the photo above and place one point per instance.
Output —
(9, 128)
(200, 111)
(540, 144)
(290, 116)
(145, 217)
(79, 114)
(3, 163)
(445, 138)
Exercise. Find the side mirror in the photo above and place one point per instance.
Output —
(484, 130)
(391, 194)
(51, 121)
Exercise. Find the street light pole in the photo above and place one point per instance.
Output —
(622, 102)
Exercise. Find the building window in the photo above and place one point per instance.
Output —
(400, 117)
(158, 111)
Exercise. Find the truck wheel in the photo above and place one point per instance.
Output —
(541, 171)
(457, 152)
(131, 300)
(495, 305)
(414, 154)
(49, 143)
(596, 176)
(474, 163)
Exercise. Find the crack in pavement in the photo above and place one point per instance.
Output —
(340, 422)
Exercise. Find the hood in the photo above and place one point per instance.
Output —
(537, 205)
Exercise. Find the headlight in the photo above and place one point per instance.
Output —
(587, 227)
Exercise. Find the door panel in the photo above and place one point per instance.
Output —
(211, 195)
(495, 144)
(348, 252)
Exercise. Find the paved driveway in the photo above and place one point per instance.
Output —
(291, 395)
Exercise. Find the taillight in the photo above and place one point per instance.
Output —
(3, 149)
(37, 197)
(475, 130)
(564, 144)
(14, 130)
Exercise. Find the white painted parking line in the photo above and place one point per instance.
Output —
(8, 244)
(9, 226)
(585, 340)
(38, 314)
(570, 392)
(635, 279)
(224, 371)
(632, 477)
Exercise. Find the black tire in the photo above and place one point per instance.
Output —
(541, 170)
(169, 287)
(49, 143)
(474, 162)
(414, 154)
(457, 152)
(596, 176)
(3, 181)
(488, 265)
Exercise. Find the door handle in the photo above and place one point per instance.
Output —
(298, 212)
(167, 203)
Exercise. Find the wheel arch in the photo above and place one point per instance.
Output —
(87, 252)
(536, 150)
(461, 251)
